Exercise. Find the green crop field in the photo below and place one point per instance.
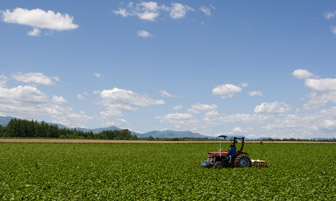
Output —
(163, 172)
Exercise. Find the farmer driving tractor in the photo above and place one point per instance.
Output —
(232, 152)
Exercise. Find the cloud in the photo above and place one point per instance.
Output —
(192, 118)
(207, 10)
(3, 81)
(244, 118)
(323, 89)
(116, 122)
(66, 116)
(330, 14)
(178, 116)
(226, 90)
(333, 29)
(82, 96)
(151, 16)
(151, 5)
(317, 100)
(179, 120)
(118, 100)
(121, 12)
(237, 130)
(274, 107)
(59, 100)
(34, 32)
(302, 74)
(166, 94)
(144, 10)
(22, 95)
(327, 84)
(29, 102)
(244, 84)
(274, 119)
(178, 107)
(37, 78)
(22, 101)
(151, 10)
(320, 124)
(39, 19)
(179, 10)
(197, 108)
(255, 93)
(98, 75)
(144, 34)
(269, 120)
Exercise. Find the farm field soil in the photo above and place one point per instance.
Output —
(37, 171)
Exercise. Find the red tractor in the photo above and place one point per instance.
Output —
(222, 159)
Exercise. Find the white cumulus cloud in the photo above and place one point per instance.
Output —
(3, 81)
(178, 107)
(118, 100)
(330, 14)
(255, 93)
(237, 130)
(302, 74)
(179, 10)
(151, 10)
(206, 10)
(37, 78)
(22, 101)
(121, 11)
(82, 96)
(22, 95)
(144, 10)
(197, 108)
(67, 117)
(34, 32)
(323, 89)
(327, 84)
(39, 19)
(274, 107)
(59, 100)
(333, 29)
(179, 120)
(144, 34)
(98, 75)
(116, 122)
(28, 102)
(166, 94)
(317, 100)
(178, 116)
(226, 90)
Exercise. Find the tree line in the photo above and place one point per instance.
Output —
(24, 128)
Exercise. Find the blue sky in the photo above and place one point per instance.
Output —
(257, 68)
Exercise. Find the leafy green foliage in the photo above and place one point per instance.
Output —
(163, 172)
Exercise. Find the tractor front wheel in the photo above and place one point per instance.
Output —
(243, 160)
(218, 165)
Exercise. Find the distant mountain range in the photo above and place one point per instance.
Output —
(5, 120)
(98, 130)
(156, 134)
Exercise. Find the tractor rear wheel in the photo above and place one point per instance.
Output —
(243, 160)
(218, 165)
